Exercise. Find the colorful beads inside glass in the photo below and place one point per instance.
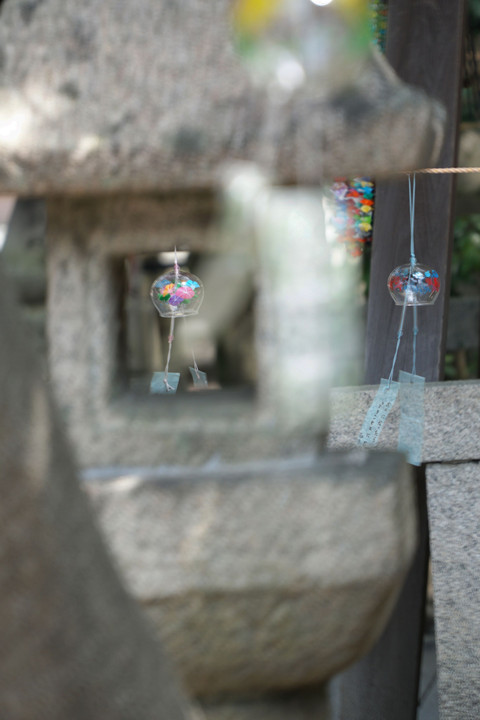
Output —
(177, 294)
(414, 285)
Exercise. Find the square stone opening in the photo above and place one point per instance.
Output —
(220, 339)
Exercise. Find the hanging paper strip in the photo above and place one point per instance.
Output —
(410, 434)
(378, 413)
(199, 378)
(162, 384)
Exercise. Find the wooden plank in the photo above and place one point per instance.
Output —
(424, 45)
(463, 323)
(384, 684)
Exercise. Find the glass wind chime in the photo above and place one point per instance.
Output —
(176, 294)
(410, 285)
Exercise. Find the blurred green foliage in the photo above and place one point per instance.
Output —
(465, 273)
(474, 14)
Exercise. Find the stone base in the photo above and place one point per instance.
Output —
(454, 511)
(301, 705)
(264, 577)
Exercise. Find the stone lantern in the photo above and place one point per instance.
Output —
(264, 578)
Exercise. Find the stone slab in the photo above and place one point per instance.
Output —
(298, 705)
(454, 509)
(263, 576)
(452, 412)
(131, 98)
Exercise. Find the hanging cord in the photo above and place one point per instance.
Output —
(195, 366)
(411, 202)
(413, 260)
(171, 336)
(415, 333)
(444, 171)
(168, 387)
(399, 338)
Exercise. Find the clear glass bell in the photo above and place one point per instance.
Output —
(177, 293)
(413, 285)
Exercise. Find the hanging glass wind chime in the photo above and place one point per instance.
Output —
(176, 294)
(410, 285)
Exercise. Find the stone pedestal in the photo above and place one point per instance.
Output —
(267, 577)
(454, 509)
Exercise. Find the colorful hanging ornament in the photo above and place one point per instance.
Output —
(378, 23)
(414, 284)
(411, 285)
(352, 217)
(355, 199)
(176, 294)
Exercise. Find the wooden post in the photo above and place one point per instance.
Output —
(424, 46)
(384, 684)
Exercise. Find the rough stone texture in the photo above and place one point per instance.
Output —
(454, 509)
(74, 643)
(298, 705)
(87, 243)
(452, 410)
(24, 250)
(265, 576)
(130, 97)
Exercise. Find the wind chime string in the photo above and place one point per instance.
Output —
(195, 366)
(399, 339)
(413, 260)
(411, 202)
(171, 336)
(168, 387)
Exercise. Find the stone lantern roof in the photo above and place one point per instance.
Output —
(114, 96)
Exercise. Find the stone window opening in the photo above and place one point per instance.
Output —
(223, 343)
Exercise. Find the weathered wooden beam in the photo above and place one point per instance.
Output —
(424, 45)
(384, 684)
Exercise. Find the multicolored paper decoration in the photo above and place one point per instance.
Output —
(353, 215)
(378, 22)
(411, 285)
(355, 199)
(176, 294)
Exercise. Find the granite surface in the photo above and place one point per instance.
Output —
(74, 643)
(452, 410)
(265, 576)
(148, 96)
(454, 509)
